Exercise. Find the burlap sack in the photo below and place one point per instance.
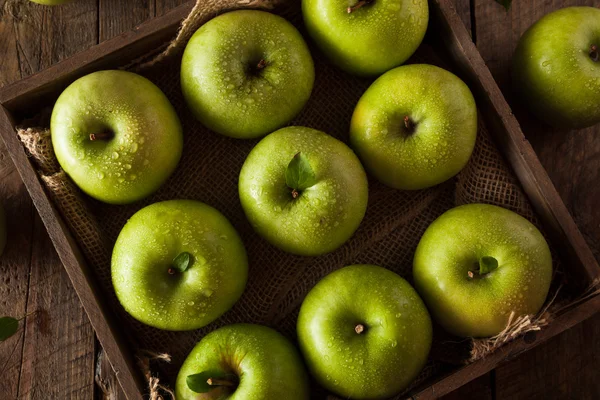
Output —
(209, 168)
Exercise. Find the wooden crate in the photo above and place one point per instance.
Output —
(22, 98)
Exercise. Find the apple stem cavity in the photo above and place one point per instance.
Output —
(295, 194)
(360, 328)
(594, 55)
(409, 124)
(358, 5)
(101, 136)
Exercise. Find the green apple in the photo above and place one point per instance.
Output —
(478, 263)
(556, 67)
(178, 265)
(116, 135)
(415, 126)
(50, 2)
(246, 73)
(303, 190)
(366, 37)
(243, 362)
(364, 332)
(2, 230)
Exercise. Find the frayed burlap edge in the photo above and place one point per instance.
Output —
(155, 388)
(517, 327)
(202, 11)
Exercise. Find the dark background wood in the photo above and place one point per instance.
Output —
(55, 353)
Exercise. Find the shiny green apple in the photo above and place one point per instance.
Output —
(116, 135)
(556, 67)
(178, 265)
(415, 126)
(366, 37)
(364, 332)
(319, 215)
(478, 263)
(246, 73)
(243, 362)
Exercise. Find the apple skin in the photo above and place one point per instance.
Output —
(453, 244)
(385, 358)
(443, 112)
(325, 215)
(50, 2)
(552, 70)
(147, 141)
(268, 364)
(2, 229)
(148, 244)
(224, 88)
(370, 40)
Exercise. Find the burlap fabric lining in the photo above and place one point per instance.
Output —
(209, 168)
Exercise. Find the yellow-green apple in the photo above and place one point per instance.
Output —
(364, 332)
(243, 361)
(556, 67)
(303, 190)
(366, 37)
(478, 263)
(178, 265)
(116, 135)
(415, 126)
(246, 73)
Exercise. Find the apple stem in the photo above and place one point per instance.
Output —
(471, 274)
(295, 194)
(409, 124)
(358, 5)
(594, 55)
(360, 328)
(171, 271)
(100, 136)
(261, 64)
(219, 382)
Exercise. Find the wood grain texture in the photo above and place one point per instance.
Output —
(51, 355)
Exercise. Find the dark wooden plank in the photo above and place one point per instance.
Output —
(481, 388)
(117, 16)
(162, 6)
(58, 354)
(566, 367)
(463, 9)
(15, 262)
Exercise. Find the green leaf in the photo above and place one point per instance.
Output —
(299, 175)
(505, 3)
(182, 261)
(199, 382)
(8, 327)
(487, 265)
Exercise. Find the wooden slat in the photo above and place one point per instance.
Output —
(58, 353)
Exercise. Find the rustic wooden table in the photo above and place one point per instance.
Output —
(55, 353)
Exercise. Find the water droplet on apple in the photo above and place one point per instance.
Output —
(133, 177)
(191, 303)
(398, 315)
(207, 292)
(101, 175)
(115, 155)
(394, 343)
(134, 147)
(127, 166)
